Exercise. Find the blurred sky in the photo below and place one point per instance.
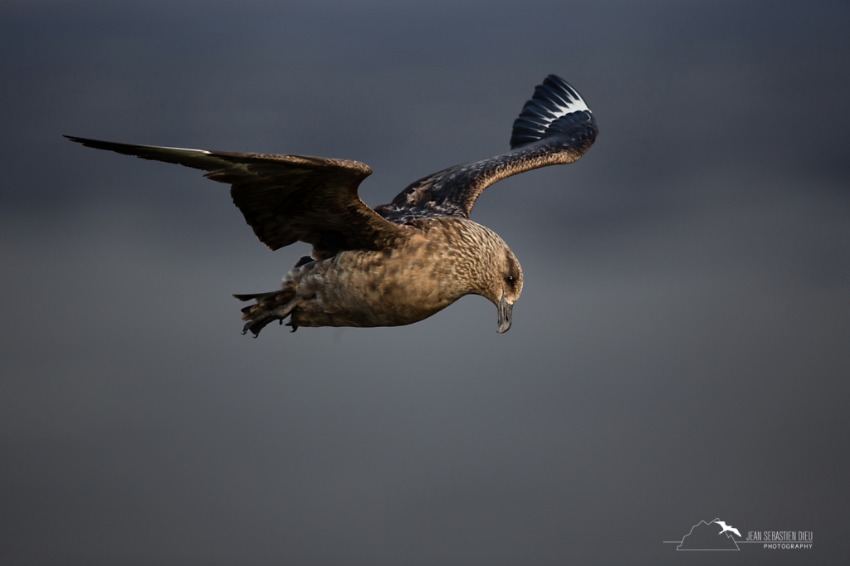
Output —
(680, 351)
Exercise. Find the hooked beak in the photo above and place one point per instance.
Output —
(505, 309)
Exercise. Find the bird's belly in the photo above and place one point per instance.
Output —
(368, 290)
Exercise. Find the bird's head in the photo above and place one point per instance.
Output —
(484, 265)
(504, 286)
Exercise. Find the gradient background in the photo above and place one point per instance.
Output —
(680, 351)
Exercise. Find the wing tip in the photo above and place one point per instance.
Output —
(155, 152)
(77, 139)
(555, 108)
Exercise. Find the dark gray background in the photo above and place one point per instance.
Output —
(680, 351)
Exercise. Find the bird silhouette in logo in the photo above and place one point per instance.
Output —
(726, 528)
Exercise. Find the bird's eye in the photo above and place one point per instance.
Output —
(510, 279)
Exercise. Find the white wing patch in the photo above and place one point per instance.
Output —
(178, 149)
(574, 103)
(548, 112)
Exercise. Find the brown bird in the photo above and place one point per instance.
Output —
(400, 262)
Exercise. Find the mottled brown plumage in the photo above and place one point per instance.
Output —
(403, 261)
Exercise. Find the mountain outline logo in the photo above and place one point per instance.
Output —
(705, 536)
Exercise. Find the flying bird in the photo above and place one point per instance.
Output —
(398, 263)
(726, 528)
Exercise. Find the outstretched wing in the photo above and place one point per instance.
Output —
(285, 198)
(555, 126)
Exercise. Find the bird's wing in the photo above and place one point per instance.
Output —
(285, 198)
(555, 126)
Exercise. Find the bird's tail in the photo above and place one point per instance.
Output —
(271, 306)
